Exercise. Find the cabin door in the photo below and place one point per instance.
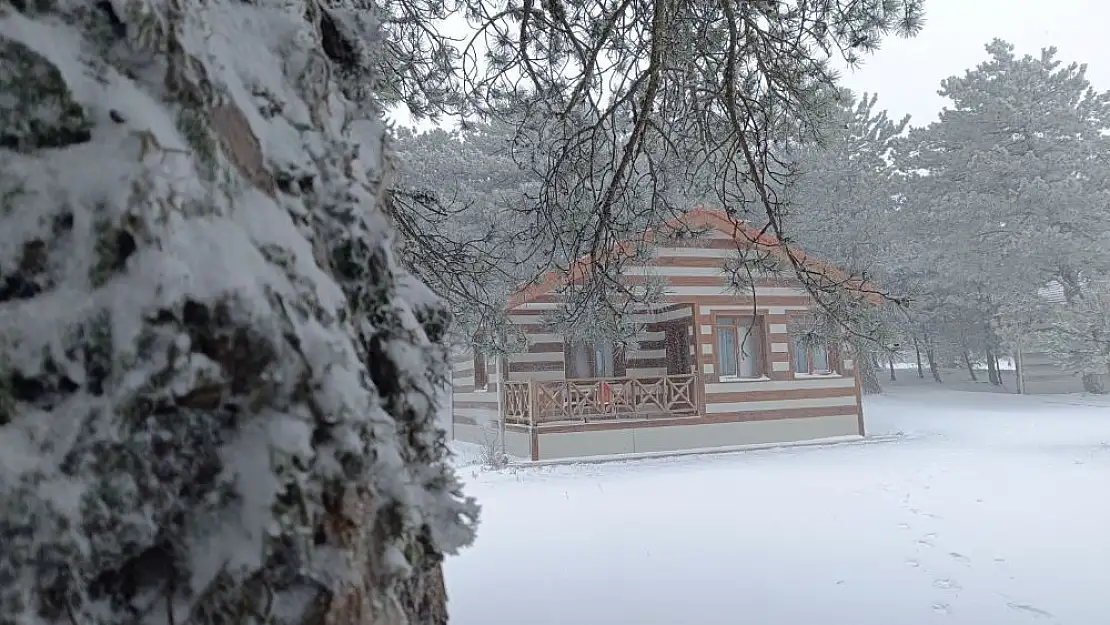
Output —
(678, 348)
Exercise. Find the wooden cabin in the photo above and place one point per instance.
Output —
(1038, 370)
(706, 373)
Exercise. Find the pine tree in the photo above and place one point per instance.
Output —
(216, 382)
(460, 204)
(1008, 186)
(842, 210)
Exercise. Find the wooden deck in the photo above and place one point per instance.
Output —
(592, 400)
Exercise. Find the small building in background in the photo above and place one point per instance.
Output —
(713, 368)
(1039, 371)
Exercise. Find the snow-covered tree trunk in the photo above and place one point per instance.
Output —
(216, 385)
(868, 377)
(931, 356)
(970, 365)
(917, 352)
(992, 368)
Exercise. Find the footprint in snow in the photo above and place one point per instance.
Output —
(942, 608)
(927, 515)
(946, 584)
(913, 564)
(925, 542)
(959, 557)
(1023, 607)
(903, 526)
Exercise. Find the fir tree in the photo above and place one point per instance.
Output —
(216, 382)
(1008, 188)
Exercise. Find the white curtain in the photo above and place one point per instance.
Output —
(603, 359)
(738, 349)
(801, 356)
(726, 350)
(821, 359)
(750, 341)
(581, 360)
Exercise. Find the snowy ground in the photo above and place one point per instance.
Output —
(992, 510)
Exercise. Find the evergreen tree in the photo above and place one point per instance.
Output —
(461, 207)
(1009, 187)
(843, 211)
(216, 382)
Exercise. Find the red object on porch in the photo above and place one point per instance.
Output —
(606, 392)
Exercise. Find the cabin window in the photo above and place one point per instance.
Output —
(812, 357)
(481, 371)
(739, 347)
(578, 365)
(598, 359)
(604, 353)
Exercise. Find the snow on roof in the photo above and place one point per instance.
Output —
(700, 216)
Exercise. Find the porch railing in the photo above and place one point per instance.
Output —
(535, 402)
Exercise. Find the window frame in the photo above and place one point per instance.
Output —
(604, 356)
(830, 359)
(590, 349)
(758, 327)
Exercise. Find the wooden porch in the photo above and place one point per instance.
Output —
(593, 400)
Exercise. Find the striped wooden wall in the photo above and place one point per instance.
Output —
(545, 357)
(695, 274)
(472, 406)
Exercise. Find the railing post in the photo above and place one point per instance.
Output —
(532, 402)
(699, 389)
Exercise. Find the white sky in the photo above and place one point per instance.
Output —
(906, 73)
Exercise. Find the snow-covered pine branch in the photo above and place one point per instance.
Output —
(638, 111)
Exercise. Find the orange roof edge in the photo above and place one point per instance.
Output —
(698, 216)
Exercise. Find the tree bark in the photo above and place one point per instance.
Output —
(970, 366)
(344, 497)
(992, 368)
(890, 360)
(933, 369)
(868, 377)
(920, 367)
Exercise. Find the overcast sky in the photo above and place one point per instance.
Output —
(906, 73)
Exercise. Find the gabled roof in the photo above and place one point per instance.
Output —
(745, 235)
